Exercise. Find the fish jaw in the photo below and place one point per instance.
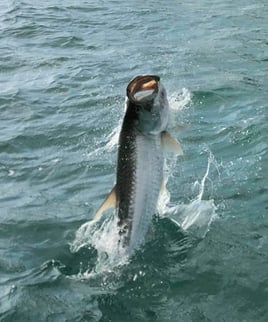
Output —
(143, 88)
(148, 103)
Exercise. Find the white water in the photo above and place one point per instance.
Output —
(194, 217)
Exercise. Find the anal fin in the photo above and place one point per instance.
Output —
(109, 202)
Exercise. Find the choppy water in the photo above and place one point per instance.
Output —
(64, 66)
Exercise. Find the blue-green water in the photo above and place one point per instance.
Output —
(64, 67)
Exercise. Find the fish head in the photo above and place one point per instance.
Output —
(147, 97)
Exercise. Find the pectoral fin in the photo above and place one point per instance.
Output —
(170, 144)
(109, 202)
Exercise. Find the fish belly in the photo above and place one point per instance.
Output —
(146, 187)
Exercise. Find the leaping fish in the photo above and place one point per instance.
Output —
(140, 161)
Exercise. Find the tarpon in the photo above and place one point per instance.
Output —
(140, 160)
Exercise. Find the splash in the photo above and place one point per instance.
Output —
(111, 142)
(197, 216)
(113, 138)
(180, 101)
(101, 234)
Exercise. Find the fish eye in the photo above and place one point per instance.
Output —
(138, 107)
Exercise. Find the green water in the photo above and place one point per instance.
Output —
(64, 67)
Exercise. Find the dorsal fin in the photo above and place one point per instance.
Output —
(109, 202)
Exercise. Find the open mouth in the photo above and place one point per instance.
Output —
(142, 87)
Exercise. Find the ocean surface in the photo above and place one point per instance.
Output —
(64, 68)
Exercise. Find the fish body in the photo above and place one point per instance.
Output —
(140, 160)
(139, 178)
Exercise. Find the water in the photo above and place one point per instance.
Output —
(64, 67)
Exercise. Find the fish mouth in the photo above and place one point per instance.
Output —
(143, 88)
